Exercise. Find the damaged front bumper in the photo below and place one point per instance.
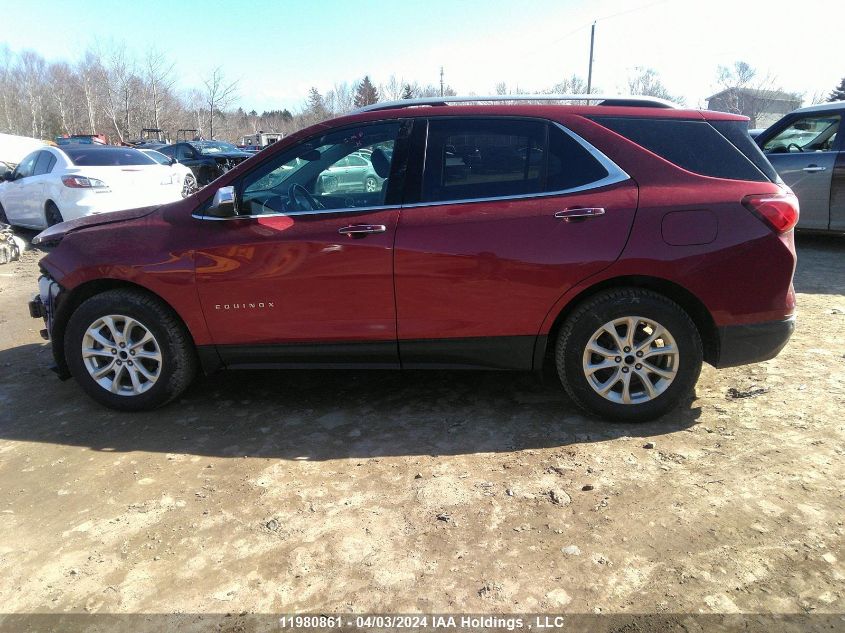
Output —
(43, 306)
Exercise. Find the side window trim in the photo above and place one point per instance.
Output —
(615, 174)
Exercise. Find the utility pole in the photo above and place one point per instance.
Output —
(441, 81)
(590, 69)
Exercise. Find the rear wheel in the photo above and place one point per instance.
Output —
(629, 355)
(52, 214)
(128, 351)
(371, 184)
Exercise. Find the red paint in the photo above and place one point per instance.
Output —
(464, 270)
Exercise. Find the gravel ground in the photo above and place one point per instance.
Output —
(427, 492)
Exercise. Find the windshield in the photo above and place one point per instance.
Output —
(214, 147)
(107, 156)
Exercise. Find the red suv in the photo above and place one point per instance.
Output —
(622, 242)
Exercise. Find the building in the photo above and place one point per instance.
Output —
(763, 107)
(261, 139)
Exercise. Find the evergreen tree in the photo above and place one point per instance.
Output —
(366, 93)
(316, 105)
(838, 93)
(409, 92)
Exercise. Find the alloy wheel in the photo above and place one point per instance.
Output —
(121, 355)
(631, 360)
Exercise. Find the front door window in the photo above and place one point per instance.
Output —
(344, 169)
(807, 134)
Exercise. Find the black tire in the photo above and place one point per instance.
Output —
(371, 184)
(178, 356)
(52, 215)
(3, 218)
(590, 316)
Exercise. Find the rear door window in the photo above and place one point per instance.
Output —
(470, 159)
(570, 164)
(482, 158)
(44, 163)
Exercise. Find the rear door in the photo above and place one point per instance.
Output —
(486, 250)
(803, 152)
(37, 187)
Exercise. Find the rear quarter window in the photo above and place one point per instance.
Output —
(692, 145)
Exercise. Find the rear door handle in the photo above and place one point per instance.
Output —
(361, 230)
(813, 169)
(579, 213)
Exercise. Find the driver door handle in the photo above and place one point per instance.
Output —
(362, 230)
(579, 213)
(813, 169)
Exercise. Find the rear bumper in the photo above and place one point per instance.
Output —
(753, 343)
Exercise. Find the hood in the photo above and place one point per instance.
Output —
(56, 232)
(237, 154)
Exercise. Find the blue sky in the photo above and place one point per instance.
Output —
(278, 49)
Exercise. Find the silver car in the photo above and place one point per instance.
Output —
(351, 174)
(809, 154)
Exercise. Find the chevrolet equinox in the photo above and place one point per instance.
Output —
(622, 243)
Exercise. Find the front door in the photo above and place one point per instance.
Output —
(18, 194)
(303, 276)
(804, 155)
(512, 214)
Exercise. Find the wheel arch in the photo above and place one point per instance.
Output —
(73, 298)
(691, 304)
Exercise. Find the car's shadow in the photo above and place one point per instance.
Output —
(820, 263)
(315, 415)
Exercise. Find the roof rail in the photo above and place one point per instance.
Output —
(618, 100)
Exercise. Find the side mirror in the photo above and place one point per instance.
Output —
(8, 175)
(173, 161)
(224, 204)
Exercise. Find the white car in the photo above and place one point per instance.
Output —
(182, 172)
(52, 185)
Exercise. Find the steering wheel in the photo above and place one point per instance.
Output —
(296, 190)
(796, 146)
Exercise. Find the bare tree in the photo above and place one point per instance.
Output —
(647, 82)
(745, 91)
(159, 79)
(219, 94)
(88, 73)
(120, 81)
(392, 89)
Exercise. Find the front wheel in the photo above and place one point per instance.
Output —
(128, 351)
(628, 355)
(189, 185)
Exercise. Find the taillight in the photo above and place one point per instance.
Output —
(778, 210)
(82, 182)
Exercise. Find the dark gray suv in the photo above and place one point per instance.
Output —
(809, 154)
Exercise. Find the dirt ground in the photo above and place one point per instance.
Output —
(432, 492)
